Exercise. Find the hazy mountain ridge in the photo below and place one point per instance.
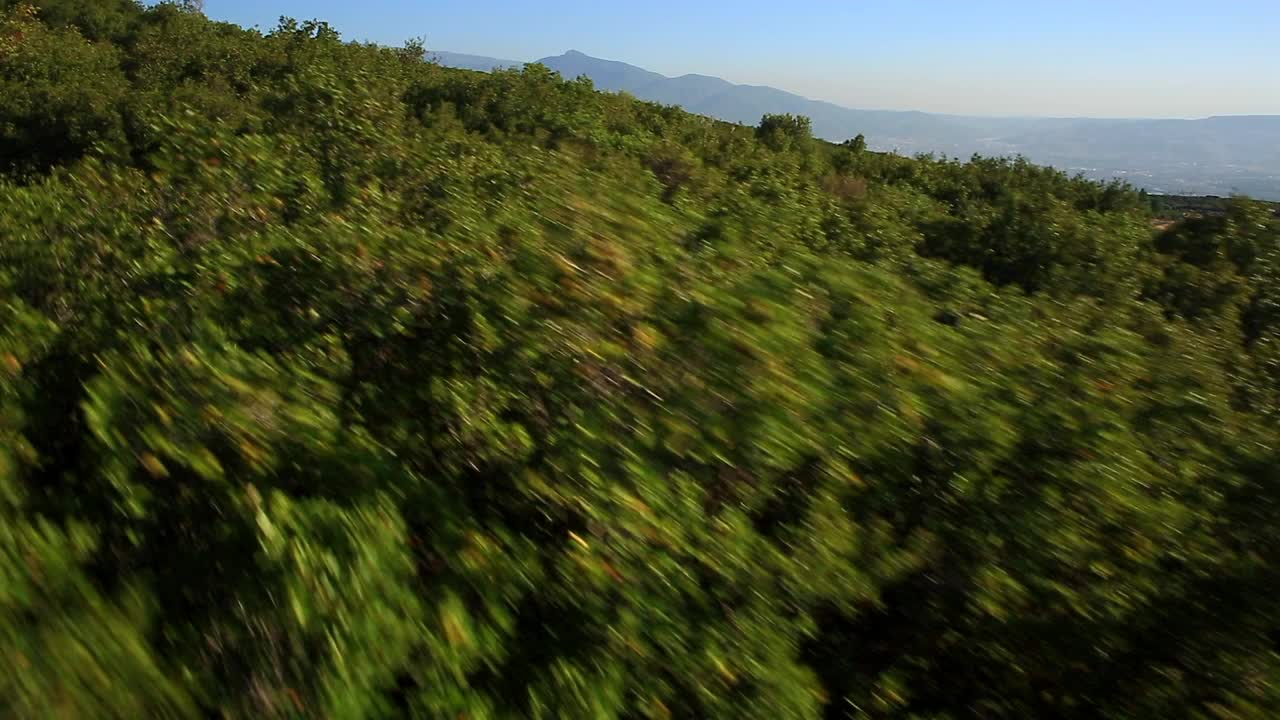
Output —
(1217, 155)
(470, 62)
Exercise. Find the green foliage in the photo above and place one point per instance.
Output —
(60, 95)
(97, 20)
(335, 383)
(785, 132)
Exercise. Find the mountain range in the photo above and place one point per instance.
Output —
(1219, 155)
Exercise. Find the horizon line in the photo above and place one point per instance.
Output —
(985, 116)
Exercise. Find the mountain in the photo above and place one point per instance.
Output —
(1210, 156)
(606, 74)
(470, 62)
(722, 99)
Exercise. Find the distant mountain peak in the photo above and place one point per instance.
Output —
(610, 75)
(470, 62)
(593, 62)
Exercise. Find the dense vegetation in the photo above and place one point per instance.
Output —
(334, 383)
(1180, 206)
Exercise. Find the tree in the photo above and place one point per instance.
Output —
(60, 95)
(783, 132)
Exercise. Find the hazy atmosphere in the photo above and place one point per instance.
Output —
(1087, 58)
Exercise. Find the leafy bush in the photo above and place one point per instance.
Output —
(60, 95)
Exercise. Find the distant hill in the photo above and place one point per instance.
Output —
(606, 74)
(470, 62)
(1210, 156)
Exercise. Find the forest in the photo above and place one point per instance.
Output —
(335, 383)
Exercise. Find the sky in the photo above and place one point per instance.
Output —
(1078, 58)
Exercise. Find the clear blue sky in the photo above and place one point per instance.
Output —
(1117, 58)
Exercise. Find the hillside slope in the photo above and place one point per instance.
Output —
(339, 384)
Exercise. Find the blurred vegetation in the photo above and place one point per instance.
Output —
(334, 383)
(1178, 207)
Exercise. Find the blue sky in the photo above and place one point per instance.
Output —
(1122, 58)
